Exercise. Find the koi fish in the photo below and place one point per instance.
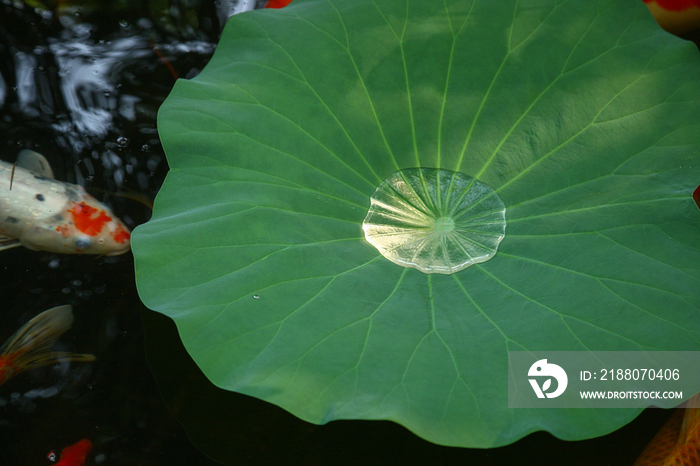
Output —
(75, 454)
(277, 3)
(43, 214)
(30, 346)
(678, 441)
(676, 16)
(696, 196)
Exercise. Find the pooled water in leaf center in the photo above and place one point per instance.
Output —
(436, 221)
(444, 224)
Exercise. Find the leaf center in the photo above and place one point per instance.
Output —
(436, 221)
(444, 225)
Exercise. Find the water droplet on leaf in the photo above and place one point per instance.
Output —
(436, 221)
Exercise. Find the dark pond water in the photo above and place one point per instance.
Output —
(82, 85)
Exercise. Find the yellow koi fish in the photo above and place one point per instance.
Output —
(678, 441)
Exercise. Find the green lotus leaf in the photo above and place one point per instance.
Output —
(581, 119)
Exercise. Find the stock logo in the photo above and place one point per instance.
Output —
(542, 368)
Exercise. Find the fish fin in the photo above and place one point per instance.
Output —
(7, 242)
(41, 331)
(31, 345)
(34, 161)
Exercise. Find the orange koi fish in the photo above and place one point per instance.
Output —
(277, 3)
(31, 345)
(678, 441)
(676, 16)
(75, 454)
(43, 214)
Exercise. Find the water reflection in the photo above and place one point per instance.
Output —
(91, 75)
(72, 84)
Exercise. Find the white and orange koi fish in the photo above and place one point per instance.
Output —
(43, 214)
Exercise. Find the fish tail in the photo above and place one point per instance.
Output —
(31, 345)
